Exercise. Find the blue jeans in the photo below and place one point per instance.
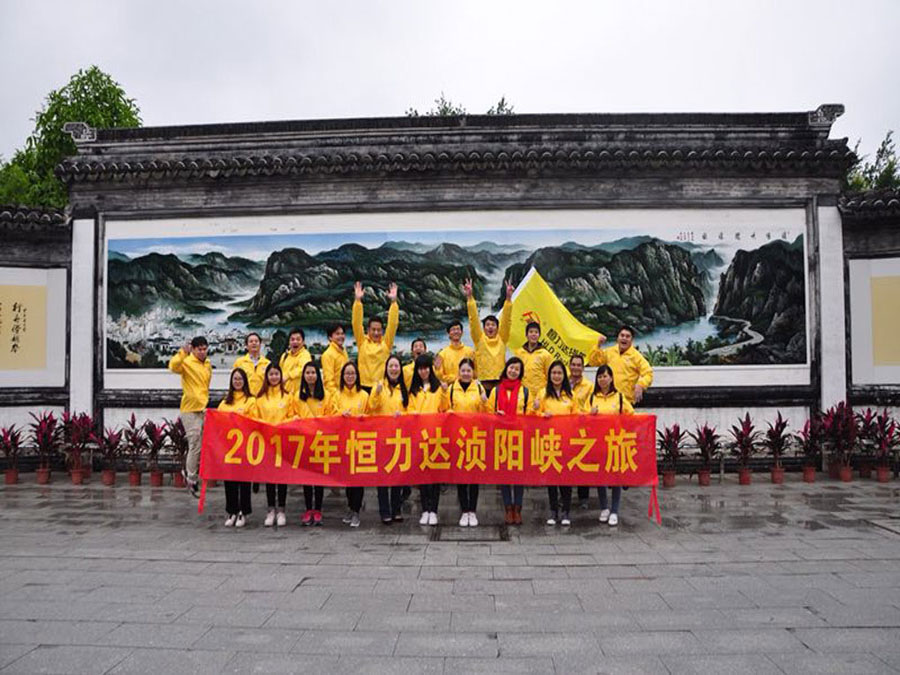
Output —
(616, 498)
(512, 494)
(389, 501)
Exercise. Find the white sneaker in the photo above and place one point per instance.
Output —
(241, 520)
(473, 519)
(565, 521)
(464, 519)
(552, 519)
(604, 515)
(613, 519)
(229, 521)
(281, 520)
(270, 518)
(432, 518)
(354, 519)
(424, 519)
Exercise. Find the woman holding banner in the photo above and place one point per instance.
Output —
(389, 396)
(467, 395)
(237, 493)
(274, 406)
(312, 404)
(427, 395)
(606, 400)
(557, 399)
(509, 398)
(350, 401)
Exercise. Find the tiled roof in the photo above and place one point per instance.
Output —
(871, 204)
(27, 217)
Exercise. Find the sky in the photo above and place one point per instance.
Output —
(200, 62)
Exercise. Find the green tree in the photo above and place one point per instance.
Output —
(444, 107)
(91, 96)
(881, 174)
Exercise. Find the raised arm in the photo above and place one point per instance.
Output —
(176, 363)
(472, 311)
(393, 317)
(356, 317)
(597, 356)
(506, 313)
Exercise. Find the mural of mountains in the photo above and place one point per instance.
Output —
(655, 284)
(300, 289)
(138, 284)
(765, 287)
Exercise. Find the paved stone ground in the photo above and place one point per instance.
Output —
(761, 579)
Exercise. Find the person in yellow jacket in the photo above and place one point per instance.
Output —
(375, 344)
(581, 390)
(510, 399)
(605, 400)
(428, 395)
(195, 369)
(446, 363)
(467, 395)
(293, 360)
(489, 336)
(632, 371)
(349, 401)
(237, 492)
(311, 404)
(557, 399)
(390, 397)
(417, 348)
(253, 363)
(274, 405)
(537, 360)
(333, 358)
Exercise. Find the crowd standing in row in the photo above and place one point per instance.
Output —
(459, 378)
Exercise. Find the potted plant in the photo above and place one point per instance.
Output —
(841, 431)
(46, 438)
(865, 424)
(810, 441)
(887, 438)
(775, 440)
(135, 441)
(156, 441)
(744, 445)
(110, 445)
(10, 442)
(670, 441)
(709, 445)
(178, 444)
(77, 432)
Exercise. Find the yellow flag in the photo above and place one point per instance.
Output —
(561, 333)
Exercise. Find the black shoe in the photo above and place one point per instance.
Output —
(387, 521)
(255, 488)
(398, 518)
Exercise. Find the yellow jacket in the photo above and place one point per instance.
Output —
(255, 374)
(537, 363)
(408, 371)
(292, 368)
(629, 368)
(275, 407)
(386, 402)
(347, 400)
(564, 405)
(450, 357)
(524, 401)
(333, 359)
(373, 355)
(466, 400)
(490, 353)
(425, 402)
(312, 407)
(244, 405)
(582, 392)
(609, 404)
(195, 376)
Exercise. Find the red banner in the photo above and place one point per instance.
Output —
(442, 448)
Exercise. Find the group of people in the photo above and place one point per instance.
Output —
(459, 378)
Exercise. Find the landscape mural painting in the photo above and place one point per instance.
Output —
(705, 296)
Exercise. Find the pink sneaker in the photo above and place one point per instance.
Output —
(307, 518)
(317, 518)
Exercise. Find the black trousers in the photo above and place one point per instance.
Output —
(555, 492)
(237, 498)
(468, 497)
(355, 498)
(431, 496)
(584, 492)
(313, 496)
(389, 501)
(270, 494)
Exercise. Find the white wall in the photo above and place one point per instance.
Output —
(831, 303)
(81, 368)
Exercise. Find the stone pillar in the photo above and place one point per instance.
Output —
(81, 364)
(831, 299)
